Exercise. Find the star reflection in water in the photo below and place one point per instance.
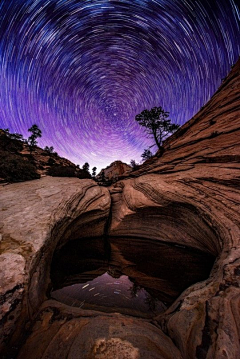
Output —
(107, 291)
(86, 275)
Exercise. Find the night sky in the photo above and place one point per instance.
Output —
(83, 69)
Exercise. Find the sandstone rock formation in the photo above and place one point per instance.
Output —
(36, 217)
(65, 332)
(188, 197)
(114, 171)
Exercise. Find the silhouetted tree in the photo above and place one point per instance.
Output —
(61, 171)
(13, 136)
(16, 136)
(134, 164)
(146, 154)
(102, 177)
(134, 289)
(49, 149)
(157, 124)
(36, 133)
(83, 174)
(94, 170)
(86, 167)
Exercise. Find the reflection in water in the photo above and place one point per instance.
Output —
(106, 291)
(141, 275)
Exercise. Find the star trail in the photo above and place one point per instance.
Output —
(83, 69)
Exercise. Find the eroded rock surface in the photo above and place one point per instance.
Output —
(114, 171)
(63, 332)
(35, 218)
(190, 196)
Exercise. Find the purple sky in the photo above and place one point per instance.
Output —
(82, 70)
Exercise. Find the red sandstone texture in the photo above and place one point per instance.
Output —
(36, 217)
(189, 196)
(115, 170)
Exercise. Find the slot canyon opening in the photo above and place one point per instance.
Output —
(133, 276)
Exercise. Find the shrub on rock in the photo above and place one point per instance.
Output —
(83, 174)
(9, 144)
(14, 168)
(62, 171)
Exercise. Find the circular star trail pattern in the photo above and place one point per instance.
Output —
(82, 70)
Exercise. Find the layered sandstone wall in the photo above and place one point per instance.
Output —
(190, 196)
